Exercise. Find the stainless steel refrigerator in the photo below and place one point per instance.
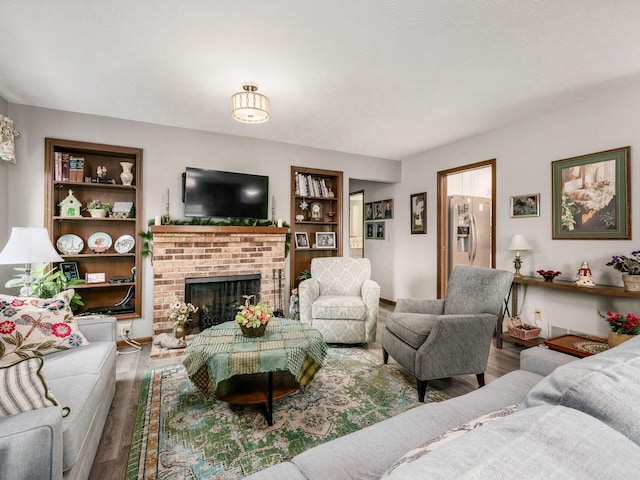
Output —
(469, 231)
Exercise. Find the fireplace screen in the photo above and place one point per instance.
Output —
(218, 298)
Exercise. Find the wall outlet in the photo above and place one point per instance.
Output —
(125, 329)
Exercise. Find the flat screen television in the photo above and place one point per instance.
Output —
(218, 194)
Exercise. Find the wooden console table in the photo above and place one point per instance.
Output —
(604, 290)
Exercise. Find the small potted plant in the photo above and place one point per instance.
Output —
(253, 319)
(623, 327)
(98, 208)
(630, 269)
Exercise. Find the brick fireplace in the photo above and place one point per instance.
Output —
(194, 251)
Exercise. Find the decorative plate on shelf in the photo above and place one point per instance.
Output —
(99, 242)
(124, 244)
(70, 244)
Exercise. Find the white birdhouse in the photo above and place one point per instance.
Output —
(70, 206)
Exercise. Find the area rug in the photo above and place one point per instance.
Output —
(179, 434)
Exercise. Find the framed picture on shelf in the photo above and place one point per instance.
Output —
(70, 270)
(325, 240)
(379, 230)
(591, 196)
(387, 208)
(378, 213)
(527, 205)
(302, 240)
(419, 212)
(369, 230)
(368, 211)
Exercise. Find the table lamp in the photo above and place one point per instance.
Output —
(518, 244)
(28, 245)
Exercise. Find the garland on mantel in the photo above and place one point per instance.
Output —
(147, 237)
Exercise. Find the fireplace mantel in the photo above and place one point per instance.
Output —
(167, 229)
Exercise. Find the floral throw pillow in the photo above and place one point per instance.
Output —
(33, 327)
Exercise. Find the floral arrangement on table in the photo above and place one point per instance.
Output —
(628, 324)
(253, 319)
(180, 312)
(630, 265)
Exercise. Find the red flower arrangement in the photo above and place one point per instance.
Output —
(628, 324)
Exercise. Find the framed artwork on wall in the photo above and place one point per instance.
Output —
(368, 211)
(419, 213)
(369, 230)
(387, 208)
(378, 212)
(527, 205)
(379, 230)
(591, 196)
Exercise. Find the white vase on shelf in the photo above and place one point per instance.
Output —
(126, 176)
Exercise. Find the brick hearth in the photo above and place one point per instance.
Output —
(181, 251)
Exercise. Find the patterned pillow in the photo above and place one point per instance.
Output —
(435, 442)
(32, 327)
(24, 388)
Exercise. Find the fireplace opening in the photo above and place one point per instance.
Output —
(218, 298)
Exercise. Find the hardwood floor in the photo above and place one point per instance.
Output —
(113, 452)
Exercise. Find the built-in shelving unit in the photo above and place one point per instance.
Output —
(604, 290)
(113, 264)
(321, 189)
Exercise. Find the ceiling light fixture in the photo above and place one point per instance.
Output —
(249, 106)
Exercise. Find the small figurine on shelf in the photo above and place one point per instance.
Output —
(584, 277)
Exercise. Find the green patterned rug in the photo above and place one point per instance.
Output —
(179, 434)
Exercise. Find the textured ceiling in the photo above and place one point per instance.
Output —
(380, 78)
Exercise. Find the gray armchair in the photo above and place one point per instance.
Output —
(443, 338)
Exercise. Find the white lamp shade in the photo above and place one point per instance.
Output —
(518, 243)
(29, 245)
(249, 106)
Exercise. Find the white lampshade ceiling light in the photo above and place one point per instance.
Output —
(249, 106)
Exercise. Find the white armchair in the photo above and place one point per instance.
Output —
(340, 300)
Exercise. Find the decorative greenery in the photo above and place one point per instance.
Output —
(147, 237)
(305, 274)
(98, 205)
(628, 324)
(180, 312)
(569, 210)
(253, 316)
(630, 265)
(46, 284)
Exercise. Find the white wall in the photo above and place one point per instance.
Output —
(5, 270)
(167, 151)
(524, 153)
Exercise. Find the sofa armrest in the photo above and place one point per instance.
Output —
(98, 329)
(543, 361)
(31, 445)
(308, 291)
(420, 305)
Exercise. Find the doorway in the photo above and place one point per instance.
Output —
(458, 228)
(356, 224)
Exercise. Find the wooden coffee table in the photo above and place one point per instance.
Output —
(224, 364)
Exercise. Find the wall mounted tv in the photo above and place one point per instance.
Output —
(217, 194)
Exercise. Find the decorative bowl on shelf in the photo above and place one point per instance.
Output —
(548, 275)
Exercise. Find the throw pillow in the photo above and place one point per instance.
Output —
(448, 436)
(32, 327)
(24, 388)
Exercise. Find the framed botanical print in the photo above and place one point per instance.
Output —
(527, 205)
(591, 196)
(419, 213)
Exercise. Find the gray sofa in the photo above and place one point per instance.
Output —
(576, 419)
(41, 444)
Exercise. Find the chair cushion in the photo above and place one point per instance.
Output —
(339, 308)
(411, 328)
(605, 386)
(341, 275)
(32, 327)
